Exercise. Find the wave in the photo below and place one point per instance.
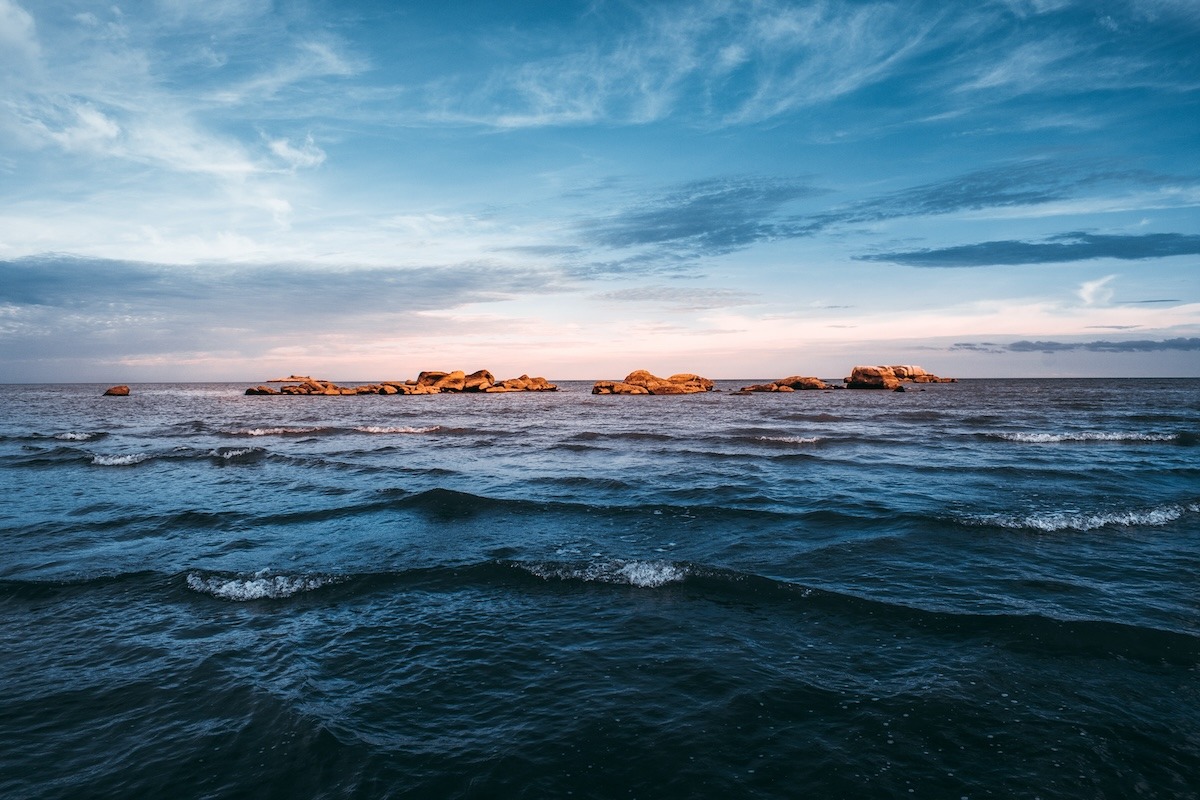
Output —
(790, 439)
(277, 431)
(1052, 521)
(642, 574)
(78, 436)
(126, 460)
(1020, 629)
(1086, 436)
(398, 429)
(261, 585)
(237, 454)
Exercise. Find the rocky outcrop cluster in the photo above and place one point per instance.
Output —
(429, 382)
(890, 377)
(790, 384)
(642, 382)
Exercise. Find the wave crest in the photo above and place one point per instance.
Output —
(642, 574)
(397, 429)
(1087, 436)
(261, 585)
(1052, 521)
(790, 439)
(121, 461)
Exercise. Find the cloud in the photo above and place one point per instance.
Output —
(1074, 246)
(713, 61)
(307, 155)
(59, 307)
(682, 298)
(1096, 292)
(703, 218)
(1098, 346)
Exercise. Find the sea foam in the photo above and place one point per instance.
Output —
(261, 585)
(643, 574)
(121, 461)
(397, 429)
(1051, 521)
(791, 439)
(1087, 436)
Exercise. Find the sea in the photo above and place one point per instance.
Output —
(989, 588)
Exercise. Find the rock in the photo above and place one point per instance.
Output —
(790, 384)
(453, 382)
(261, 390)
(117, 391)
(872, 378)
(478, 381)
(683, 383)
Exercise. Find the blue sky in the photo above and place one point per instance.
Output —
(236, 188)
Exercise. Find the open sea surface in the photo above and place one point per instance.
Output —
(981, 589)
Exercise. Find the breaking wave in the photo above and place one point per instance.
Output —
(276, 431)
(1071, 520)
(122, 460)
(790, 439)
(642, 574)
(397, 429)
(1086, 436)
(261, 585)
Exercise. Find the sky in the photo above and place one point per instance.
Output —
(236, 189)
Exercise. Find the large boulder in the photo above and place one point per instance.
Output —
(649, 383)
(478, 381)
(790, 384)
(863, 377)
(117, 391)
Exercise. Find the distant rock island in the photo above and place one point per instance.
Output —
(637, 382)
(891, 377)
(429, 382)
(643, 382)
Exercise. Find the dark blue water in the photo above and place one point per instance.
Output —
(982, 589)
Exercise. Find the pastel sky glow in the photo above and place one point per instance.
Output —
(230, 189)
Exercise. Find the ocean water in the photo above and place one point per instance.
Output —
(981, 589)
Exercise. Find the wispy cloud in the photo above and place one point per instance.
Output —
(61, 307)
(681, 298)
(1074, 246)
(709, 217)
(1097, 346)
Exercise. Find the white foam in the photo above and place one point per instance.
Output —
(396, 429)
(120, 461)
(272, 431)
(1087, 436)
(75, 437)
(1051, 521)
(791, 439)
(234, 452)
(260, 585)
(643, 574)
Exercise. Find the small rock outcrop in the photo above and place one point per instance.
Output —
(790, 384)
(428, 382)
(117, 391)
(643, 382)
(879, 377)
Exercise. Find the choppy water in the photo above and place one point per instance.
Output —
(983, 589)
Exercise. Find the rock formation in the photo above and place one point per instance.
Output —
(428, 382)
(643, 382)
(117, 391)
(890, 377)
(789, 384)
